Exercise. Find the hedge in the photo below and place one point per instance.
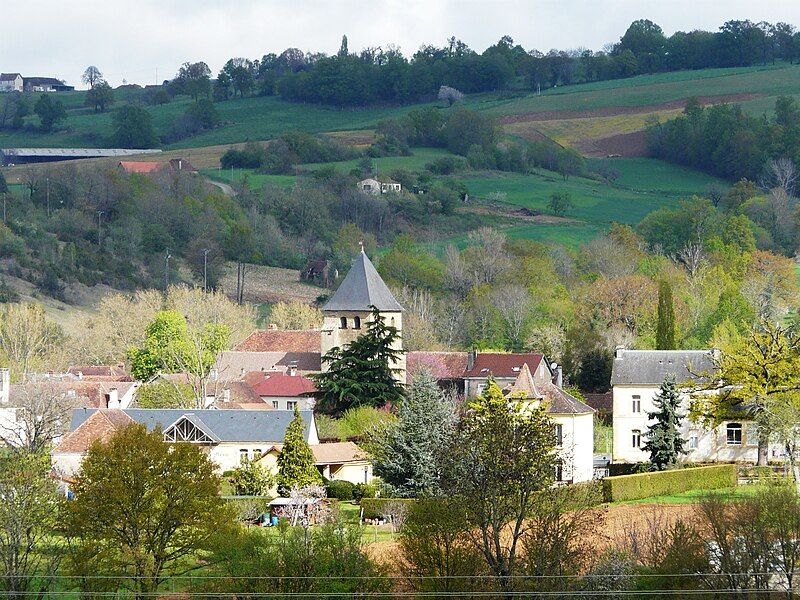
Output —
(665, 483)
(376, 508)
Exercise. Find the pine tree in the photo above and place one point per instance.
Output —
(665, 329)
(361, 373)
(296, 461)
(406, 453)
(664, 441)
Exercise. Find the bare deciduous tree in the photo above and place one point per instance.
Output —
(43, 412)
(693, 257)
(26, 335)
(450, 95)
(513, 302)
(780, 173)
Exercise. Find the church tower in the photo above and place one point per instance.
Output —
(348, 312)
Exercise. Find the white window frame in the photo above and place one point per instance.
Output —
(730, 432)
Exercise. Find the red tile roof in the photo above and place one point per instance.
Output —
(442, 365)
(502, 365)
(100, 372)
(277, 384)
(101, 425)
(282, 341)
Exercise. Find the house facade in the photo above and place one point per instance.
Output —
(636, 378)
(337, 461)
(228, 436)
(11, 82)
(283, 390)
(573, 423)
(375, 187)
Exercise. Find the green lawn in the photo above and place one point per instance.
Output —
(693, 496)
(416, 162)
(254, 179)
(652, 175)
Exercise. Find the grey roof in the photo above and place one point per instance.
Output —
(223, 425)
(73, 152)
(651, 367)
(362, 288)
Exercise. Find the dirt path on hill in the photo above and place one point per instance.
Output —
(613, 111)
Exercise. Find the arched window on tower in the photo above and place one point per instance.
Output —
(356, 322)
(343, 323)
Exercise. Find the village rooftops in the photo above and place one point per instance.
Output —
(556, 400)
(502, 365)
(361, 289)
(651, 367)
(272, 340)
(279, 384)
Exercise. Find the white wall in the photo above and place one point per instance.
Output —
(67, 464)
(712, 444)
(577, 447)
(303, 402)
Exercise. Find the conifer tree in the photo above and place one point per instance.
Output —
(664, 441)
(665, 329)
(406, 453)
(361, 373)
(296, 460)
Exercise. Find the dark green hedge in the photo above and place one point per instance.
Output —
(664, 483)
(375, 508)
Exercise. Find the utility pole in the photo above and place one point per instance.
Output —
(99, 216)
(166, 271)
(5, 195)
(205, 270)
(48, 195)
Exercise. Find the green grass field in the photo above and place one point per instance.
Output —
(694, 496)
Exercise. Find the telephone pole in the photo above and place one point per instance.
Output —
(166, 271)
(48, 195)
(205, 270)
(99, 216)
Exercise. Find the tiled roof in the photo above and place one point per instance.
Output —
(502, 365)
(442, 365)
(337, 453)
(309, 340)
(88, 394)
(361, 288)
(559, 402)
(100, 425)
(100, 372)
(279, 384)
(651, 367)
(234, 364)
(227, 425)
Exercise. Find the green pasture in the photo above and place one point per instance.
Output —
(416, 162)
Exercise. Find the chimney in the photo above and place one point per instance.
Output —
(471, 358)
(292, 370)
(618, 351)
(559, 376)
(113, 398)
(226, 395)
(5, 385)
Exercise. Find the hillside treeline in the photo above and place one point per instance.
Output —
(385, 75)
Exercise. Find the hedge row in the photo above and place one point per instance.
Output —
(376, 508)
(665, 483)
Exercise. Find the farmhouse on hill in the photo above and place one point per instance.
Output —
(11, 82)
(375, 187)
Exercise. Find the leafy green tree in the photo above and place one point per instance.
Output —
(92, 76)
(203, 114)
(29, 512)
(406, 453)
(665, 326)
(145, 508)
(500, 460)
(49, 111)
(560, 203)
(165, 394)
(133, 128)
(362, 372)
(296, 460)
(3, 184)
(100, 96)
(171, 346)
(664, 441)
(249, 479)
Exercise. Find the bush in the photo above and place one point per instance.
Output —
(341, 490)
(446, 165)
(364, 490)
(377, 508)
(249, 509)
(664, 483)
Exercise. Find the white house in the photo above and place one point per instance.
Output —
(283, 390)
(337, 461)
(636, 377)
(573, 421)
(11, 82)
(373, 186)
(229, 436)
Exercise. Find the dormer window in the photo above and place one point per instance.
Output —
(515, 369)
(343, 323)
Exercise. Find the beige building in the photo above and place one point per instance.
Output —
(349, 311)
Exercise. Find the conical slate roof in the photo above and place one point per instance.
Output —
(362, 288)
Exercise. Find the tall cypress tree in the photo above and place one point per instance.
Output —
(664, 441)
(296, 461)
(665, 329)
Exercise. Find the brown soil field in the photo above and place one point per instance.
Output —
(627, 145)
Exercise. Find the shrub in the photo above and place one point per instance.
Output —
(446, 165)
(664, 483)
(364, 490)
(377, 508)
(341, 490)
